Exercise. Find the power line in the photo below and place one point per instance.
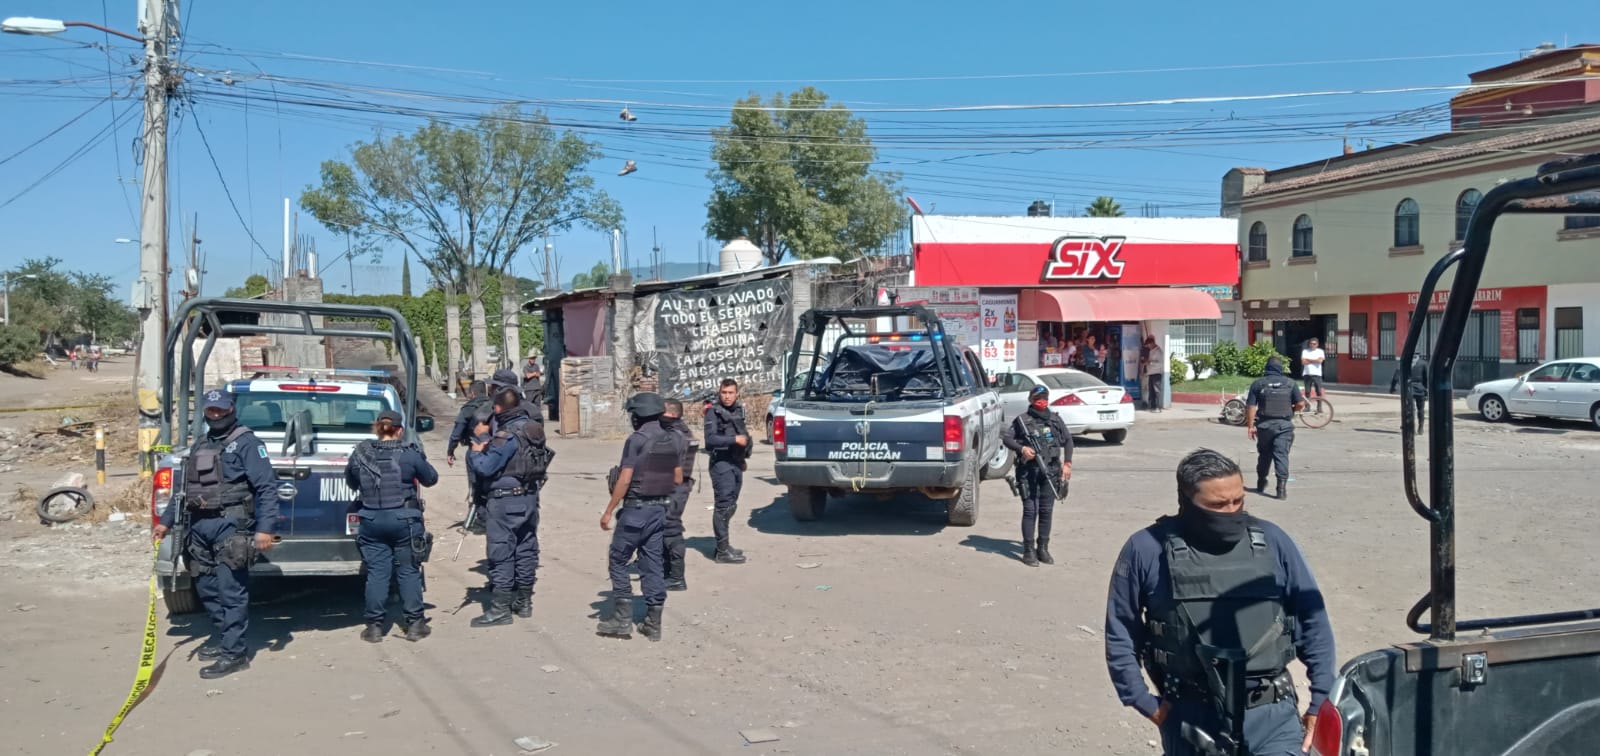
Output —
(53, 132)
(94, 141)
(229, 193)
(116, 138)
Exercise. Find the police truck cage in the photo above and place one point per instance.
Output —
(207, 319)
(1563, 187)
(872, 354)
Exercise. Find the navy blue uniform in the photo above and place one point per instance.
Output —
(224, 588)
(1141, 588)
(641, 522)
(513, 527)
(1052, 442)
(461, 433)
(674, 546)
(1274, 429)
(389, 522)
(727, 467)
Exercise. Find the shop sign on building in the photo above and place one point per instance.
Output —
(1481, 297)
(999, 312)
(701, 336)
(1083, 258)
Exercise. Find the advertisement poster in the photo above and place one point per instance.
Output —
(1131, 339)
(999, 352)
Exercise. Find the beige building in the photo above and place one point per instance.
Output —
(1337, 248)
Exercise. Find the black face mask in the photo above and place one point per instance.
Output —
(220, 426)
(1209, 530)
(639, 422)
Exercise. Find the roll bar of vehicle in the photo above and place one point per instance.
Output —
(815, 322)
(1562, 187)
(201, 315)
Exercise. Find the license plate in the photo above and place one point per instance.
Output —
(352, 524)
(1111, 415)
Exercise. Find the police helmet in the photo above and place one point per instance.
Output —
(646, 405)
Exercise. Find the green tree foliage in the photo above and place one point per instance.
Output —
(597, 276)
(425, 316)
(1253, 361)
(1103, 207)
(794, 176)
(254, 286)
(18, 345)
(57, 305)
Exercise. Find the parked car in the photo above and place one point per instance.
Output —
(1567, 389)
(1085, 403)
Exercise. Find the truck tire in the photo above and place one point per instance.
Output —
(807, 503)
(182, 600)
(962, 511)
(1001, 464)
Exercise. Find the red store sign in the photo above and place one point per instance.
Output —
(1075, 260)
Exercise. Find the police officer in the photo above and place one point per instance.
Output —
(1044, 464)
(508, 461)
(533, 383)
(650, 472)
(729, 441)
(506, 378)
(475, 410)
(672, 419)
(229, 507)
(385, 474)
(1214, 576)
(1418, 389)
(1269, 421)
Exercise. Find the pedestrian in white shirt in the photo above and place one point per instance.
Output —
(1311, 359)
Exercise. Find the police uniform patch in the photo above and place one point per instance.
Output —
(262, 450)
(213, 395)
(233, 447)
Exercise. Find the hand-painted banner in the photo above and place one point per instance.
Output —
(741, 331)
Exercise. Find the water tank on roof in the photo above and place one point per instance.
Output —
(740, 254)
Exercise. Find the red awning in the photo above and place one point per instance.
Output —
(1116, 305)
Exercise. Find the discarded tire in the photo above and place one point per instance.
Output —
(65, 504)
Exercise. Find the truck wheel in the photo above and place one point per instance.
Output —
(806, 503)
(182, 600)
(1116, 436)
(999, 465)
(963, 509)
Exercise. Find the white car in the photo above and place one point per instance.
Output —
(1568, 389)
(1085, 403)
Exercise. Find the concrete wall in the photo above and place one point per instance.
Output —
(1585, 295)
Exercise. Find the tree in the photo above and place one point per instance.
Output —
(1103, 207)
(254, 286)
(794, 176)
(405, 276)
(597, 276)
(58, 305)
(18, 345)
(464, 200)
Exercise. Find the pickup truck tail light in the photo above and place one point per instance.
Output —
(1067, 400)
(160, 492)
(954, 438)
(1328, 737)
(780, 439)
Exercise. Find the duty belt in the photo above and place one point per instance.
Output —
(496, 493)
(1269, 690)
(653, 501)
(238, 512)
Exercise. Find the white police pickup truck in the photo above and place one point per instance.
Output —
(310, 421)
(883, 403)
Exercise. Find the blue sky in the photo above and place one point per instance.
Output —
(679, 66)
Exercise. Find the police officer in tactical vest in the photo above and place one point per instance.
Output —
(650, 472)
(1213, 603)
(506, 378)
(228, 507)
(385, 474)
(1043, 447)
(672, 420)
(511, 461)
(476, 410)
(1269, 421)
(728, 439)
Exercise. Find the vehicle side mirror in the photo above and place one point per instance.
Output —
(424, 423)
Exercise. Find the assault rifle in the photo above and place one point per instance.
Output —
(1038, 458)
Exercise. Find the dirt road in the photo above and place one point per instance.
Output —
(878, 630)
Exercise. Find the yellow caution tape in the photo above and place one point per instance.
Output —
(147, 664)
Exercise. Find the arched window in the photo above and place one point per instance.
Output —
(1407, 223)
(1302, 237)
(1257, 248)
(1465, 204)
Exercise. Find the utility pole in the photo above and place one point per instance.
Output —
(151, 289)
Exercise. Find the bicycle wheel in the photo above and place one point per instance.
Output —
(1318, 413)
(1233, 412)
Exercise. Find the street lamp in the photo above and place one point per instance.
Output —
(48, 26)
(7, 276)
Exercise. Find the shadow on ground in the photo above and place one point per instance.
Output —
(282, 609)
(904, 515)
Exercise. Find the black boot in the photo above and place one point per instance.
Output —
(373, 632)
(224, 666)
(1261, 484)
(1283, 489)
(651, 626)
(498, 613)
(522, 602)
(1028, 557)
(211, 651)
(1043, 552)
(727, 554)
(418, 629)
(620, 623)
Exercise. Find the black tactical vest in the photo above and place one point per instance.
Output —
(652, 475)
(1048, 443)
(730, 422)
(203, 484)
(1230, 601)
(1277, 398)
(383, 485)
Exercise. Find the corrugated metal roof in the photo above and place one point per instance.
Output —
(648, 287)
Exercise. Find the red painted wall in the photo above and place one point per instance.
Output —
(1023, 265)
(1507, 300)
